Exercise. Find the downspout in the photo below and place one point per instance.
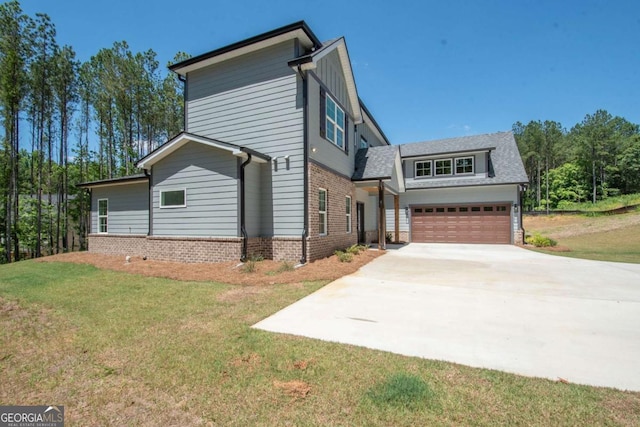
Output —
(305, 157)
(243, 230)
(150, 207)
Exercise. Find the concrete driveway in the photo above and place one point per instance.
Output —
(490, 306)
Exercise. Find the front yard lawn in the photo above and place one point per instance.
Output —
(123, 349)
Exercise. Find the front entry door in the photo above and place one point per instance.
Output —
(360, 220)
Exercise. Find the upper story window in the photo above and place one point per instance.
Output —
(363, 142)
(464, 165)
(423, 168)
(173, 198)
(335, 122)
(103, 215)
(443, 167)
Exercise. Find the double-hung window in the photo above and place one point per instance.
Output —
(348, 212)
(335, 122)
(103, 215)
(443, 167)
(423, 168)
(322, 212)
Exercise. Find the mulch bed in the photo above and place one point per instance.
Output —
(266, 272)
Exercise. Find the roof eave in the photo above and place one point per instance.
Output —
(299, 30)
(113, 182)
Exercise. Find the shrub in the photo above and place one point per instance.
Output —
(285, 266)
(540, 241)
(388, 237)
(355, 249)
(344, 256)
(249, 267)
(403, 390)
(256, 258)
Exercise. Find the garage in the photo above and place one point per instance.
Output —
(486, 223)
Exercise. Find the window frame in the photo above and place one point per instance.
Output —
(105, 216)
(363, 142)
(415, 169)
(348, 208)
(333, 121)
(173, 190)
(473, 161)
(435, 167)
(323, 213)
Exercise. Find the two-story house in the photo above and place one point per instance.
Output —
(280, 158)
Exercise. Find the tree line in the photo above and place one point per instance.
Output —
(64, 122)
(597, 158)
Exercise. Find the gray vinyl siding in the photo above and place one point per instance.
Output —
(329, 71)
(128, 208)
(365, 129)
(256, 101)
(209, 176)
(253, 214)
(466, 195)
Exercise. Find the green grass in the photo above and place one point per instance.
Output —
(120, 349)
(607, 204)
(603, 238)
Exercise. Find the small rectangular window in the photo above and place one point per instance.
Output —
(363, 142)
(428, 210)
(464, 165)
(501, 208)
(488, 208)
(417, 210)
(451, 209)
(173, 198)
(475, 209)
(464, 209)
(348, 212)
(440, 210)
(443, 167)
(322, 212)
(423, 168)
(103, 215)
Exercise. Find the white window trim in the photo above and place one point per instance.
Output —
(326, 202)
(168, 190)
(435, 168)
(415, 169)
(348, 213)
(103, 216)
(336, 127)
(473, 165)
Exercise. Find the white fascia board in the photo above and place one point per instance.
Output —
(297, 34)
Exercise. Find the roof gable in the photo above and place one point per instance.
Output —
(310, 62)
(183, 138)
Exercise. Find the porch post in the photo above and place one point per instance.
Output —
(396, 208)
(382, 232)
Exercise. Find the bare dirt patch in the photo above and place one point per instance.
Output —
(266, 272)
(296, 388)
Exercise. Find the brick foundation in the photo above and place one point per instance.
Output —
(196, 250)
(337, 189)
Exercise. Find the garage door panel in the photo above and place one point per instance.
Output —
(461, 224)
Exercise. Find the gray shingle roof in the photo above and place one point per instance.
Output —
(375, 163)
(505, 159)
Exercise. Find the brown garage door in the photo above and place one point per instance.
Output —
(461, 224)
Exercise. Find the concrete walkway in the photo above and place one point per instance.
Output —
(489, 306)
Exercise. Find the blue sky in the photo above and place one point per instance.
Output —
(425, 69)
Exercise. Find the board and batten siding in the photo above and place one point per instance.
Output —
(128, 208)
(255, 101)
(209, 176)
(366, 129)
